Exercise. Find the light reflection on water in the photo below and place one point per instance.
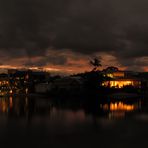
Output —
(69, 112)
(46, 106)
(118, 109)
(46, 122)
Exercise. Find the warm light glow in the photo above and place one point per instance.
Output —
(115, 74)
(118, 74)
(121, 83)
(110, 75)
(26, 90)
(11, 91)
(10, 102)
(121, 106)
(119, 109)
(3, 105)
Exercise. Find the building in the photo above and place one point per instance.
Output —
(5, 86)
(121, 79)
(24, 81)
(122, 82)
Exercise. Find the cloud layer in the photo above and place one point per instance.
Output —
(44, 32)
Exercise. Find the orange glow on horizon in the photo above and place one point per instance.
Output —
(58, 68)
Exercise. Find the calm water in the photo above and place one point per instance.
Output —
(36, 122)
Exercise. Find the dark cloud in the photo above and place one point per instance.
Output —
(50, 59)
(32, 27)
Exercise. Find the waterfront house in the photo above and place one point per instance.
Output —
(5, 88)
(121, 79)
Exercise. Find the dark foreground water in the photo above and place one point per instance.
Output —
(43, 122)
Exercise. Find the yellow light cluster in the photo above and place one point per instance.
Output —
(120, 84)
(121, 106)
(110, 75)
(118, 74)
(4, 82)
(115, 74)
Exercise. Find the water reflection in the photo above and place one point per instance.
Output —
(121, 106)
(5, 105)
(118, 109)
(70, 111)
(58, 122)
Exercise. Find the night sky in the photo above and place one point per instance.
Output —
(63, 35)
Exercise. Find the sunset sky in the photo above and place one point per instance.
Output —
(63, 35)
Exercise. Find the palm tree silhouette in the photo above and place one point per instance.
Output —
(95, 63)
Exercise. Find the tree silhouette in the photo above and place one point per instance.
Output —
(95, 63)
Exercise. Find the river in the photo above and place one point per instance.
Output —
(41, 122)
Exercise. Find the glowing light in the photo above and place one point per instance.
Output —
(121, 83)
(11, 102)
(3, 105)
(118, 74)
(26, 90)
(119, 106)
(11, 91)
(110, 75)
